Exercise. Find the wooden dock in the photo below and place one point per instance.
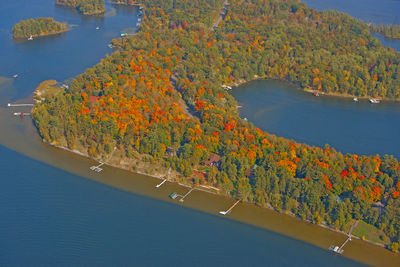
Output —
(160, 184)
(19, 105)
(339, 250)
(183, 197)
(230, 209)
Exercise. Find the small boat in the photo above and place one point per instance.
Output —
(123, 34)
(21, 114)
(30, 38)
(374, 101)
(97, 28)
(110, 46)
(316, 94)
(15, 76)
(355, 99)
(336, 249)
(226, 87)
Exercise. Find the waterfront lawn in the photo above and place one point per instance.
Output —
(371, 233)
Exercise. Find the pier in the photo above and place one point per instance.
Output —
(165, 179)
(230, 209)
(160, 184)
(339, 250)
(175, 195)
(183, 198)
(21, 114)
(97, 168)
(19, 105)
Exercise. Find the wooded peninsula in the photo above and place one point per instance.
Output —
(391, 31)
(38, 27)
(160, 99)
(84, 7)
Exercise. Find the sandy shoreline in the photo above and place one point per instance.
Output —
(198, 188)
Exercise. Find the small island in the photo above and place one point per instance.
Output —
(390, 31)
(38, 27)
(84, 7)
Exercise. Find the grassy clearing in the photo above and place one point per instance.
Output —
(371, 233)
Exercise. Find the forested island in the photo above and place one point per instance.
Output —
(160, 103)
(390, 31)
(85, 7)
(38, 27)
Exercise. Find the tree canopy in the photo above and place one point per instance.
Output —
(38, 27)
(162, 91)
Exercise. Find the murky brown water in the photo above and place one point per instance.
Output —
(20, 135)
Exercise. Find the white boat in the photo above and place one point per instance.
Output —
(374, 101)
(97, 28)
(355, 99)
(15, 75)
(30, 38)
(336, 249)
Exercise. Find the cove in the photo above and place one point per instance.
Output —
(350, 127)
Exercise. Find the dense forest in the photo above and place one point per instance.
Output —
(85, 7)
(125, 2)
(391, 31)
(38, 27)
(160, 94)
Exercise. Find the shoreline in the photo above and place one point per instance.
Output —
(312, 91)
(196, 187)
(40, 35)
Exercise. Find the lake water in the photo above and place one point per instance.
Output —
(53, 217)
(282, 109)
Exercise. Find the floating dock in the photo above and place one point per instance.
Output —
(97, 168)
(230, 209)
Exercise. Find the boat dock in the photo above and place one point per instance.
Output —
(230, 209)
(21, 114)
(97, 168)
(339, 250)
(165, 179)
(175, 195)
(183, 198)
(19, 105)
(160, 184)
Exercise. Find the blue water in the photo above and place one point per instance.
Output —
(376, 11)
(53, 218)
(58, 57)
(282, 109)
(49, 217)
